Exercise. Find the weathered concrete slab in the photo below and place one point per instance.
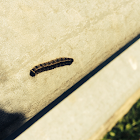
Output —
(33, 32)
(91, 110)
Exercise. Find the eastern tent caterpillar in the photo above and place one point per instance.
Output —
(50, 65)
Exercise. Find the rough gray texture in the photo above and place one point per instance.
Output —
(33, 32)
(88, 108)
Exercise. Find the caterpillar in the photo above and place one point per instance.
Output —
(50, 65)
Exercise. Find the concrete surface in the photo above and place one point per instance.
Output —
(82, 113)
(33, 32)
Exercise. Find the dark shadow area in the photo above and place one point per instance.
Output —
(69, 91)
(9, 122)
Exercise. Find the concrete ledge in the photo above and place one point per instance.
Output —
(34, 32)
(94, 108)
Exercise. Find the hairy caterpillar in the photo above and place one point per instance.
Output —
(50, 65)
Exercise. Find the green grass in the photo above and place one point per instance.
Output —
(128, 128)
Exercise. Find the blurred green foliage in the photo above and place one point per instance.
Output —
(128, 128)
